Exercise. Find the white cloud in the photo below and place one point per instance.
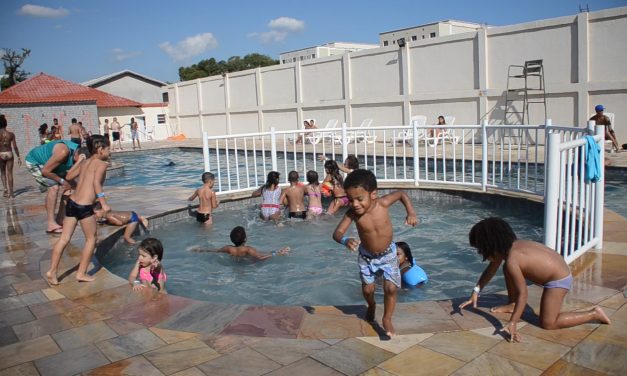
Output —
(280, 28)
(190, 46)
(269, 36)
(287, 24)
(120, 55)
(42, 12)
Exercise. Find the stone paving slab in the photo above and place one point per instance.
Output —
(106, 328)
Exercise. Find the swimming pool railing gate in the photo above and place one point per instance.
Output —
(496, 157)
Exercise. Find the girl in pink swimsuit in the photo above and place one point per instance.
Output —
(314, 208)
(148, 266)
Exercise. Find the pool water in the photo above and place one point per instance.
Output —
(150, 168)
(318, 271)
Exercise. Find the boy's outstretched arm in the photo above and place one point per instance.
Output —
(485, 278)
(338, 235)
(193, 196)
(392, 197)
(262, 256)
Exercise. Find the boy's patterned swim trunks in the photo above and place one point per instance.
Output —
(373, 265)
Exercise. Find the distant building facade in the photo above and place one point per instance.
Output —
(131, 85)
(328, 49)
(427, 31)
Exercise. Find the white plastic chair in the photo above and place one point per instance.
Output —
(316, 137)
(363, 133)
(447, 134)
(408, 135)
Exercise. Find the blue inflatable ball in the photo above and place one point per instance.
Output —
(415, 275)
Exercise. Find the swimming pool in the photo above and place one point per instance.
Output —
(150, 168)
(319, 271)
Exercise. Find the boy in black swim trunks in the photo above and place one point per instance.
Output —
(207, 198)
(293, 196)
(80, 208)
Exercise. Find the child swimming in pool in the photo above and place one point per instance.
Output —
(240, 249)
(120, 218)
(148, 266)
(314, 193)
(271, 197)
(405, 258)
(377, 252)
(335, 179)
(207, 198)
(294, 197)
(523, 259)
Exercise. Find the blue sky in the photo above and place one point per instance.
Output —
(79, 40)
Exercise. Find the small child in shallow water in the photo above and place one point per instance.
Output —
(148, 266)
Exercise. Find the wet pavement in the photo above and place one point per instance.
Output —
(104, 328)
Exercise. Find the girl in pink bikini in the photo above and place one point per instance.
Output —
(148, 266)
(314, 208)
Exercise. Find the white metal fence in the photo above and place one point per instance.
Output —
(509, 158)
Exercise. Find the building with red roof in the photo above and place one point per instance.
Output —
(42, 98)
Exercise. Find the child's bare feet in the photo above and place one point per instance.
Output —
(601, 316)
(52, 279)
(85, 278)
(370, 313)
(507, 308)
(388, 327)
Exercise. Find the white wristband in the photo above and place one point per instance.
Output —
(476, 289)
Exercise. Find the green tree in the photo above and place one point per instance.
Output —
(211, 67)
(12, 61)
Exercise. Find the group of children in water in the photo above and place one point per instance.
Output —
(378, 254)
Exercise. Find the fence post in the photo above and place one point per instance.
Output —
(344, 143)
(484, 155)
(551, 190)
(599, 200)
(416, 158)
(275, 164)
(205, 150)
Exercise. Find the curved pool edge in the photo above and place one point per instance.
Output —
(313, 322)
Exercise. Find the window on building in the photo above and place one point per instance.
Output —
(165, 98)
(161, 119)
(313, 56)
(413, 37)
(302, 58)
(394, 41)
(385, 42)
(432, 35)
(423, 37)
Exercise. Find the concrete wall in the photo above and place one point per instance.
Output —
(462, 75)
(25, 120)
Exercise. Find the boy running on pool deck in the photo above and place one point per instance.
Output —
(240, 249)
(80, 208)
(293, 196)
(207, 198)
(496, 242)
(377, 250)
(121, 218)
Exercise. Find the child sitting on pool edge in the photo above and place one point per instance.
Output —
(524, 259)
(240, 249)
(377, 251)
(148, 266)
(207, 198)
(294, 197)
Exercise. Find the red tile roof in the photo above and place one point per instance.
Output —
(43, 88)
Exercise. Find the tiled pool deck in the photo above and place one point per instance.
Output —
(104, 328)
